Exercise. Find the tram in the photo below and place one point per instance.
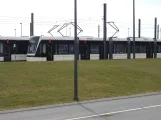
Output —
(13, 48)
(43, 48)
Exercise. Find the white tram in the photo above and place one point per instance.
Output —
(13, 48)
(43, 48)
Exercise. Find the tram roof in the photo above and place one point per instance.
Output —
(71, 38)
(142, 39)
(89, 38)
(14, 38)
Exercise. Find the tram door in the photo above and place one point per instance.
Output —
(149, 50)
(49, 52)
(101, 52)
(7, 53)
(85, 52)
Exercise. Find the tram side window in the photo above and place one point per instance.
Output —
(159, 49)
(143, 48)
(6, 49)
(15, 48)
(94, 49)
(56, 49)
(1, 48)
(120, 48)
(137, 48)
(19, 47)
(71, 49)
(63, 49)
(43, 48)
(140, 48)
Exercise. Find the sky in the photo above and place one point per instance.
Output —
(90, 13)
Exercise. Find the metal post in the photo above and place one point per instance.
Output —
(110, 48)
(76, 54)
(128, 32)
(158, 33)
(32, 24)
(105, 33)
(139, 27)
(15, 32)
(21, 29)
(30, 29)
(98, 30)
(70, 31)
(128, 49)
(155, 38)
(133, 29)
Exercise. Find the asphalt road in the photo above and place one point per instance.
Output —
(135, 108)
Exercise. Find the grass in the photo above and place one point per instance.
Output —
(28, 84)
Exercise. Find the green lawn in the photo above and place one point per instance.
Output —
(27, 84)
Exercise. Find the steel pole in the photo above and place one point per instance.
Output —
(155, 38)
(139, 28)
(21, 29)
(133, 29)
(76, 54)
(105, 31)
(15, 32)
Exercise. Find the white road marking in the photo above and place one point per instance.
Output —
(111, 113)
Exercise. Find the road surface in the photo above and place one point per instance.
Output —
(134, 108)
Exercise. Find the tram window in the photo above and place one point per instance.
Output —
(116, 50)
(159, 49)
(1, 48)
(6, 49)
(143, 49)
(71, 48)
(32, 48)
(119, 48)
(21, 48)
(40, 48)
(56, 49)
(63, 49)
(140, 48)
(137, 48)
(33, 45)
(43, 48)
(94, 49)
(14, 49)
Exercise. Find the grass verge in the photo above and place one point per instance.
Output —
(28, 84)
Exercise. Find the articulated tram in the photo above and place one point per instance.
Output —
(13, 48)
(43, 48)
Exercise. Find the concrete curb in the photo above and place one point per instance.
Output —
(77, 103)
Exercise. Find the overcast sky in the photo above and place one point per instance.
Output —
(90, 12)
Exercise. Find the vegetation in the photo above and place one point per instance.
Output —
(28, 84)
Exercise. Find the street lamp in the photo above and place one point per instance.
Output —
(75, 54)
(133, 29)
(21, 29)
